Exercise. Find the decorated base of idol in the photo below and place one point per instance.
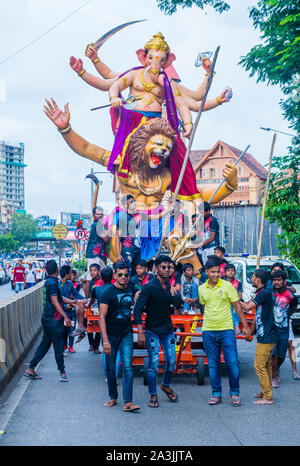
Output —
(152, 128)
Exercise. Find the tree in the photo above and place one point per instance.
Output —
(170, 6)
(276, 61)
(8, 243)
(23, 227)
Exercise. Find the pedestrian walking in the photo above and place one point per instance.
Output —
(19, 277)
(116, 328)
(53, 320)
(30, 276)
(210, 234)
(266, 334)
(156, 300)
(217, 296)
(98, 291)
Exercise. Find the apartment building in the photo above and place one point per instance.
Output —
(11, 177)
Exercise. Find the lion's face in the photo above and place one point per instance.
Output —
(150, 148)
(158, 150)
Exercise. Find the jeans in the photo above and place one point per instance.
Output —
(19, 286)
(124, 343)
(29, 285)
(118, 363)
(235, 317)
(69, 330)
(168, 345)
(193, 294)
(281, 347)
(53, 332)
(213, 342)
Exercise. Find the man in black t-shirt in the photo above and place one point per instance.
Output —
(156, 297)
(266, 334)
(116, 329)
(53, 320)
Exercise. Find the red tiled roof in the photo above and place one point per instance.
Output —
(249, 160)
(197, 155)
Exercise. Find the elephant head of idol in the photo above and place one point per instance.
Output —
(150, 148)
(156, 55)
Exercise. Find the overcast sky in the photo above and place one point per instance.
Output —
(55, 176)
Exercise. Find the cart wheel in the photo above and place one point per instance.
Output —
(145, 371)
(200, 371)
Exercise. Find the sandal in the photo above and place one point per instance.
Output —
(235, 400)
(80, 338)
(97, 351)
(214, 400)
(170, 394)
(33, 376)
(110, 403)
(153, 403)
(131, 408)
(78, 331)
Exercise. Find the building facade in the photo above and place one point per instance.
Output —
(208, 166)
(12, 194)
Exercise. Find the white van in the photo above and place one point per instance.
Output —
(245, 266)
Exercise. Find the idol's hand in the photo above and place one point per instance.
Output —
(91, 52)
(230, 174)
(222, 96)
(188, 130)
(116, 102)
(54, 113)
(206, 64)
(76, 65)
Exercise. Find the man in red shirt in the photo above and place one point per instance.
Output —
(19, 279)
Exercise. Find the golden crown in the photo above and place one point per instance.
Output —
(157, 43)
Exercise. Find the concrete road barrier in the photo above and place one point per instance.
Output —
(20, 324)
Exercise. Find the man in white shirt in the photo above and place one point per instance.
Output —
(30, 276)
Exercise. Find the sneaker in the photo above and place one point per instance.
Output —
(71, 349)
(63, 377)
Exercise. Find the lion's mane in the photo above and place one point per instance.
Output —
(137, 156)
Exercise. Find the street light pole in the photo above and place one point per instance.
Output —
(281, 132)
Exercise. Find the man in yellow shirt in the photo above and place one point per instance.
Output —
(218, 333)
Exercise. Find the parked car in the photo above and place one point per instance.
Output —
(4, 277)
(245, 266)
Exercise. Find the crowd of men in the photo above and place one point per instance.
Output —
(120, 295)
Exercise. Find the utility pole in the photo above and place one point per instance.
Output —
(265, 202)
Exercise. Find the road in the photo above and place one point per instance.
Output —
(6, 292)
(48, 412)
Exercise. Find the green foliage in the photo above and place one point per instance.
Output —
(23, 228)
(276, 60)
(80, 266)
(283, 204)
(8, 243)
(169, 7)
